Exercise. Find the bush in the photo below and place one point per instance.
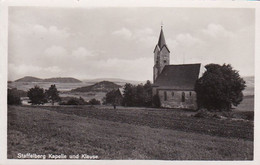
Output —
(94, 102)
(74, 101)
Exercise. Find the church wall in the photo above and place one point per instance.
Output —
(176, 99)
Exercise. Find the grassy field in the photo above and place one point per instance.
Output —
(127, 133)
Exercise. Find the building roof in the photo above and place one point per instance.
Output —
(161, 42)
(179, 77)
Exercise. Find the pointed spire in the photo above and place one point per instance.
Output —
(161, 41)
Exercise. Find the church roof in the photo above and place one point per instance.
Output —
(179, 77)
(161, 42)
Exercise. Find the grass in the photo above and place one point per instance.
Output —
(134, 133)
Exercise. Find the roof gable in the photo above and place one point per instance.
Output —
(179, 76)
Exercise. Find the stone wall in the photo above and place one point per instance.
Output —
(177, 99)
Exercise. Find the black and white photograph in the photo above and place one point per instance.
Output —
(131, 83)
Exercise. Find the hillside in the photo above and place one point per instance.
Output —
(103, 86)
(115, 80)
(55, 80)
(250, 85)
(29, 79)
(62, 80)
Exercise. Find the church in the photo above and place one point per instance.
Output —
(174, 84)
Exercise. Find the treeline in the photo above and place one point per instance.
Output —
(36, 95)
(133, 95)
(39, 96)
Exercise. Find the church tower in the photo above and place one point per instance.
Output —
(161, 56)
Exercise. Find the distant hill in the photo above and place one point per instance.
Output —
(115, 80)
(62, 80)
(250, 85)
(103, 86)
(29, 79)
(54, 80)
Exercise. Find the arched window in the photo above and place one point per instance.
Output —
(183, 97)
(190, 93)
(165, 96)
(172, 94)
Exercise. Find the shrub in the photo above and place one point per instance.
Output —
(74, 101)
(94, 102)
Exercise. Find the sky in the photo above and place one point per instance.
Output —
(95, 42)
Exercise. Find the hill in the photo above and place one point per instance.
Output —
(55, 80)
(62, 80)
(103, 86)
(115, 80)
(29, 79)
(250, 85)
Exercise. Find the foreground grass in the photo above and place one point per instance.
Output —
(62, 130)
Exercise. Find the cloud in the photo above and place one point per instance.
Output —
(142, 37)
(122, 68)
(144, 32)
(56, 51)
(53, 31)
(124, 32)
(82, 53)
(20, 70)
(187, 39)
(215, 30)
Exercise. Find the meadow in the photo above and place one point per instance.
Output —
(127, 133)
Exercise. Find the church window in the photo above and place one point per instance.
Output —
(190, 93)
(157, 62)
(165, 96)
(172, 94)
(164, 61)
(183, 97)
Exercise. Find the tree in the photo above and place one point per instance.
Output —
(219, 88)
(129, 95)
(13, 97)
(36, 95)
(113, 97)
(138, 95)
(52, 94)
(148, 94)
(156, 101)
